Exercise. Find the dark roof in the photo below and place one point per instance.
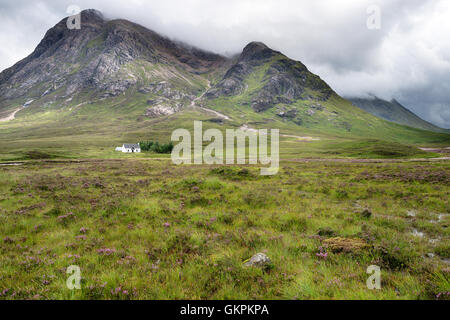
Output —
(131, 145)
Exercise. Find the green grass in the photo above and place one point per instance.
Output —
(184, 232)
(93, 130)
(375, 149)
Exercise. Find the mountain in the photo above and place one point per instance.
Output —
(393, 111)
(107, 57)
(287, 81)
(115, 81)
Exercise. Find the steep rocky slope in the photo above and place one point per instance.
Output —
(284, 80)
(103, 56)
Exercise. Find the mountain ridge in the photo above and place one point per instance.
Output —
(394, 111)
(98, 49)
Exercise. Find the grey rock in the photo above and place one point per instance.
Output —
(317, 106)
(366, 213)
(159, 111)
(258, 260)
(290, 114)
(411, 213)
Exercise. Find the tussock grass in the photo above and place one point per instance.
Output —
(147, 229)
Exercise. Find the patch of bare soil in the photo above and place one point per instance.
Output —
(11, 116)
(443, 150)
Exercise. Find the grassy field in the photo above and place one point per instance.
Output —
(57, 135)
(147, 229)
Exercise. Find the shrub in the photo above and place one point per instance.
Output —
(341, 194)
(326, 232)
(156, 146)
(234, 173)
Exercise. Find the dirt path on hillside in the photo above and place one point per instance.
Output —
(11, 116)
(194, 104)
(444, 150)
(301, 138)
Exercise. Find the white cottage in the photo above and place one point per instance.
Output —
(130, 147)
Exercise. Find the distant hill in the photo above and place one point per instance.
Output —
(395, 112)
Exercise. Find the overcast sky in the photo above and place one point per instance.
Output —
(407, 58)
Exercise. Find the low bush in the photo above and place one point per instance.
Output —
(156, 146)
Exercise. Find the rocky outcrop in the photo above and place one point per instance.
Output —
(165, 90)
(161, 110)
(285, 80)
(288, 114)
(253, 55)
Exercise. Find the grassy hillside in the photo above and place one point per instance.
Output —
(94, 129)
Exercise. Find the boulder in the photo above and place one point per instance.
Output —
(366, 213)
(258, 260)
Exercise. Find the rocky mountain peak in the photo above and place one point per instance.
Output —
(284, 80)
(102, 55)
(256, 51)
(92, 15)
(60, 35)
(255, 46)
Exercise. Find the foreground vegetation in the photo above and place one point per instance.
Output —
(147, 229)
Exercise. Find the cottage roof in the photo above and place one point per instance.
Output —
(131, 145)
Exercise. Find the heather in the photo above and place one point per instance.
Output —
(148, 229)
